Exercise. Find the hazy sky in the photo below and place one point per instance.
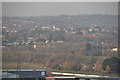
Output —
(58, 8)
(60, 0)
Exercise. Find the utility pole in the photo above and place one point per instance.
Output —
(102, 47)
(18, 65)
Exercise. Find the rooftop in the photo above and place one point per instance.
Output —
(23, 70)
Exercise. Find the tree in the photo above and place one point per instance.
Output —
(112, 63)
(67, 65)
(88, 47)
(107, 68)
(97, 68)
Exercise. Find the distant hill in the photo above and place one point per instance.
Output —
(67, 20)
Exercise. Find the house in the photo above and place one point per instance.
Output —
(84, 31)
(114, 49)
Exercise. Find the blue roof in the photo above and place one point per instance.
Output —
(24, 70)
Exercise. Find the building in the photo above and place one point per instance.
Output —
(114, 49)
(23, 73)
(84, 31)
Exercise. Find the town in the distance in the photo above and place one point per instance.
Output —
(77, 43)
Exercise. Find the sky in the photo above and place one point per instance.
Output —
(60, 0)
(58, 8)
